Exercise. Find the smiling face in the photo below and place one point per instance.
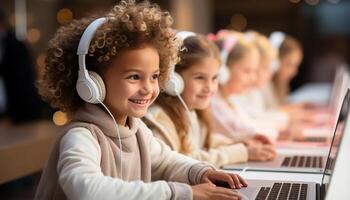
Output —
(132, 82)
(243, 72)
(289, 65)
(200, 83)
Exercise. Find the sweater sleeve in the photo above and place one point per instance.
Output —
(221, 155)
(80, 175)
(170, 165)
(173, 166)
(163, 128)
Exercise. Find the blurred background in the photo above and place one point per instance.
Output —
(320, 25)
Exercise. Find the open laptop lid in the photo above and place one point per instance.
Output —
(336, 85)
(342, 123)
(338, 178)
(339, 89)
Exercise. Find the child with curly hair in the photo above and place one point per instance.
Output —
(106, 151)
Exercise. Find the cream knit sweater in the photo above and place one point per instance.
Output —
(85, 163)
(164, 128)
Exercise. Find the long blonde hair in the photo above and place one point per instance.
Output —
(195, 48)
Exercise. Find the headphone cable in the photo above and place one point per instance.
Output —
(120, 141)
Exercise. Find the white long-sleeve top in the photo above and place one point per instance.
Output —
(253, 104)
(231, 120)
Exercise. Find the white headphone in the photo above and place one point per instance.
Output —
(276, 39)
(90, 86)
(224, 71)
(175, 84)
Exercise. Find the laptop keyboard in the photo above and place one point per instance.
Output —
(303, 161)
(283, 191)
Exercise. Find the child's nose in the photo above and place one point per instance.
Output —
(210, 86)
(147, 87)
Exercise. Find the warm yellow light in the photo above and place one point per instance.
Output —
(238, 22)
(40, 60)
(64, 16)
(60, 118)
(33, 35)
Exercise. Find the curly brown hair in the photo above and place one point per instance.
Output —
(194, 48)
(129, 26)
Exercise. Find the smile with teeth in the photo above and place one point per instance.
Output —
(203, 96)
(139, 101)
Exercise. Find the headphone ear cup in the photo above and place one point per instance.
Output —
(224, 75)
(180, 83)
(274, 66)
(175, 85)
(101, 89)
(86, 88)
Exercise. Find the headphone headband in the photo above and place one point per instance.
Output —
(90, 86)
(184, 34)
(276, 39)
(228, 44)
(86, 38)
(175, 84)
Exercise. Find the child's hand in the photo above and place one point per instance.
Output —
(210, 191)
(234, 180)
(262, 139)
(262, 152)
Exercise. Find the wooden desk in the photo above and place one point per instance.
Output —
(25, 148)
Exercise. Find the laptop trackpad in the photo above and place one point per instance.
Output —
(248, 192)
(253, 188)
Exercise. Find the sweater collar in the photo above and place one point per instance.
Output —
(94, 114)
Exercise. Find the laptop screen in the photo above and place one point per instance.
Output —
(338, 86)
(336, 139)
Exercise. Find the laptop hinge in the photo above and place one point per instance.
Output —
(320, 191)
(323, 191)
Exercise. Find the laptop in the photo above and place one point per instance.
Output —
(339, 85)
(337, 174)
(267, 189)
(339, 88)
(305, 163)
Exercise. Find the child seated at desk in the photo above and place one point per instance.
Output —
(240, 60)
(185, 125)
(107, 152)
(285, 68)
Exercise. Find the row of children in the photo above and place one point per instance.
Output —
(108, 152)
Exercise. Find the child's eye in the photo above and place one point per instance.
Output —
(199, 77)
(215, 77)
(134, 77)
(155, 77)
